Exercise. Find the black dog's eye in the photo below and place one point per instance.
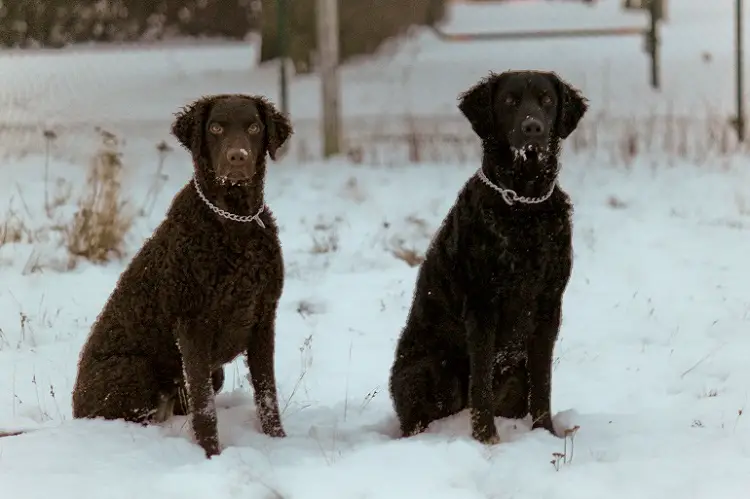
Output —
(215, 128)
(254, 128)
(510, 100)
(546, 100)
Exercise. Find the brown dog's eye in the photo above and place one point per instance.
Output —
(215, 128)
(510, 100)
(254, 128)
(546, 100)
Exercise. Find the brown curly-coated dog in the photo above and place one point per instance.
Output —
(203, 289)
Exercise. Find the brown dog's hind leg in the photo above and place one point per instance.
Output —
(116, 388)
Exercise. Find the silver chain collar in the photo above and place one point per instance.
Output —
(230, 216)
(510, 196)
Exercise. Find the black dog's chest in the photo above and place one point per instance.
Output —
(525, 255)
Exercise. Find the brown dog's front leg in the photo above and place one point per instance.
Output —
(260, 362)
(197, 371)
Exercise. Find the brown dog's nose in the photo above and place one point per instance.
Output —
(237, 156)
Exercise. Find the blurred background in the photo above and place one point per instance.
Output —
(400, 66)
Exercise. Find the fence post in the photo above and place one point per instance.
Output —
(653, 41)
(328, 51)
(738, 52)
(282, 27)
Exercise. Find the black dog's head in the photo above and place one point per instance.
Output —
(229, 135)
(528, 111)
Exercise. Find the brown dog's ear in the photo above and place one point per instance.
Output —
(188, 125)
(278, 126)
(477, 106)
(572, 105)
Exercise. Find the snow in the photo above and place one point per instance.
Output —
(651, 362)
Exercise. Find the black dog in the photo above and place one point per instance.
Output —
(487, 303)
(203, 289)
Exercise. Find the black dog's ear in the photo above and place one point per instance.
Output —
(572, 105)
(188, 125)
(477, 106)
(278, 126)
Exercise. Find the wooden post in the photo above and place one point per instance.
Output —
(328, 61)
(654, 7)
(740, 70)
(282, 35)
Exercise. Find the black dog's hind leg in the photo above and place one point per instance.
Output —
(424, 390)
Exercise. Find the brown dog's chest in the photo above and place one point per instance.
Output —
(232, 286)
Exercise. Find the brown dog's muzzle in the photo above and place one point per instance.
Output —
(236, 165)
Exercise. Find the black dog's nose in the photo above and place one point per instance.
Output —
(237, 156)
(532, 127)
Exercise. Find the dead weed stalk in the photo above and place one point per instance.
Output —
(97, 231)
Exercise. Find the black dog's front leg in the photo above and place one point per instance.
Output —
(540, 353)
(481, 346)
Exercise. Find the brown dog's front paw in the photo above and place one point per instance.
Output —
(211, 450)
(277, 433)
(274, 429)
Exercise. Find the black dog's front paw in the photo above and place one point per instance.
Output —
(493, 439)
(483, 428)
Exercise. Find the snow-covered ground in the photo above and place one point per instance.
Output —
(651, 362)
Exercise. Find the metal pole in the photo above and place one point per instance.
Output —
(328, 51)
(654, 11)
(739, 68)
(281, 38)
(539, 34)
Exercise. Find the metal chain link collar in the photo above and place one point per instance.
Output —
(230, 216)
(510, 196)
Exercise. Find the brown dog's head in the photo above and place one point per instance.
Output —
(229, 135)
(527, 111)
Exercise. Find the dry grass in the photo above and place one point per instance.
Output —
(409, 256)
(699, 138)
(103, 217)
(325, 238)
(352, 191)
(418, 229)
(160, 179)
(97, 231)
(13, 229)
(325, 243)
